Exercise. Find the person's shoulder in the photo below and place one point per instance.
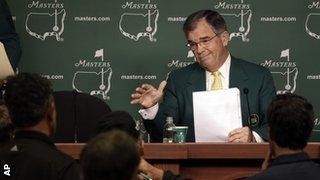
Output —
(29, 165)
(64, 156)
(46, 155)
(62, 162)
(64, 165)
(249, 66)
(264, 175)
(45, 151)
(182, 72)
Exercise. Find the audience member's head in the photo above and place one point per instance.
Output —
(120, 120)
(111, 155)
(6, 127)
(29, 100)
(291, 121)
(213, 18)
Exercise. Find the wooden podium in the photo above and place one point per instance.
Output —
(205, 160)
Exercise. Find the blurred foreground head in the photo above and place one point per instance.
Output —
(120, 120)
(6, 127)
(291, 121)
(113, 155)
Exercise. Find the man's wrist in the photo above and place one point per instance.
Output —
(150, 113)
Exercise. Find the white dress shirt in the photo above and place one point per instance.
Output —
(224, 74)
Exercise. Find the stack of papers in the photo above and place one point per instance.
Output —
(216, 113)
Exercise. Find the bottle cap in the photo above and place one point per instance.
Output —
(169, 119)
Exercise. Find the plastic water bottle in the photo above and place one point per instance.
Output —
(168, 131)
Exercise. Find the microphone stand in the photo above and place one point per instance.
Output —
(74, 95)
(246, 92)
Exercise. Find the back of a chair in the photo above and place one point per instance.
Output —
(77, 116)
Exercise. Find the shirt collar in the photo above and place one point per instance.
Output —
(225, 68)
(26, 134)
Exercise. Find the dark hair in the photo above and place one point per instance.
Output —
(27, 98)
(212, 17)
(6, 127)
(111, 155)
(291, 121)
(120, 120)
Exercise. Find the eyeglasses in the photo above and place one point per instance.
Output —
(204, 42)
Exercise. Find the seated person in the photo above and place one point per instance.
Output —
(113, 155)
(29, 100)
(6, 127)
(215, 68)
(291, 122)
(122, 120)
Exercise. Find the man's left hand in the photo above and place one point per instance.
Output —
(241, 135)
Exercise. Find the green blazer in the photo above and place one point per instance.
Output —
(177, 100)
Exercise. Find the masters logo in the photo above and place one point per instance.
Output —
(140, 20)
(45, 19)
(97, 72)
(238, 16)
(285, 72)
(312, 24)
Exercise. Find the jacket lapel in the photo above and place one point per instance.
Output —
(237, 74)
(197, 81)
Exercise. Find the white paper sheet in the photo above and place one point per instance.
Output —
(216, 113)
(5, 66)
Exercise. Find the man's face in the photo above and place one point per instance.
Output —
(212, 52)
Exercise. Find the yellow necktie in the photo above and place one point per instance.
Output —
(217, 84)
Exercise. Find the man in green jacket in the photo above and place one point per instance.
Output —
(208, 38)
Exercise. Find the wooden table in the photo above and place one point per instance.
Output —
(204, 160)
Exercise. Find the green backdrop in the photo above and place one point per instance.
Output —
(109, 47)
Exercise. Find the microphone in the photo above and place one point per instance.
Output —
(253, 119)
(246, 92)
(75, 125)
